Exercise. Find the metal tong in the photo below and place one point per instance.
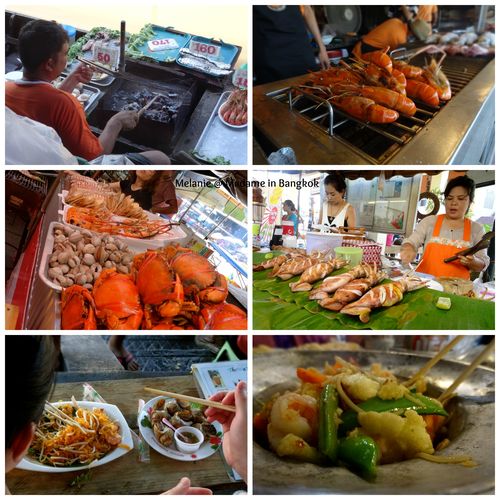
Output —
(483, 243)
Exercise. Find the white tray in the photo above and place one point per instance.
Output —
(175, 235)
(43, 270)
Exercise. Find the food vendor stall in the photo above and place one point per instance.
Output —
(326, 122)
(362, 451)
(89, 241)
(140, 460)
(302, 280)
(198, 84)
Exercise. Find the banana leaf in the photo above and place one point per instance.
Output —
(275, 307)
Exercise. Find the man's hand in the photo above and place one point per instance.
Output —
(82, 73)
(234, 442)
(183, 487)
(127, 120)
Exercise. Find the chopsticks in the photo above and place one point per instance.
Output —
(191, 399)
(477, 361)
(102, 69)
(144, 108)
(440, 355)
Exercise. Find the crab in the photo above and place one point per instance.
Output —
(78, 309)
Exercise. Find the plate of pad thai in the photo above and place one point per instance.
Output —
(371, 422)
(75, 435)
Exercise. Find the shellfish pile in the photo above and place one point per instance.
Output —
(78, 256)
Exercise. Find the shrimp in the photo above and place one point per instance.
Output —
(365, 109)
(389, 98)
(295, 414)
(379, 58)
(423, 92)
(408, 70)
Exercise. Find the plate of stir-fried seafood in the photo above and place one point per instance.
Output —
(161, 416)
(360, 422)
(75, 435)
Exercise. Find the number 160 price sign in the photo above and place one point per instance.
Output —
(206, 49)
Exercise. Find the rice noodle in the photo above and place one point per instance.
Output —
(464, 460)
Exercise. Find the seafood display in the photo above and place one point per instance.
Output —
(378, 89)
(78, 256)
(468, 44)
(69, 435)
(169, 289)
(87, 41)
(166, 415)
(359, 418)
(234, 110)
(383, 296)
(104, 221)
(117, 203)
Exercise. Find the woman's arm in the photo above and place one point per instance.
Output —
(312, 26)
(351, 216)
(410, 245)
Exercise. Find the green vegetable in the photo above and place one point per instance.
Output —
(269, 255)
(327, 439)
(360, 453)
(428, 407)
(145, 422)
(82, 478)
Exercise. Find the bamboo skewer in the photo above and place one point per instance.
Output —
(144, 108)
(477, 361)
(191, 399)
(440, 355)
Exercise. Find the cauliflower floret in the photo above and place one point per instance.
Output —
(391, 390)
(399, 438)
(360, 387)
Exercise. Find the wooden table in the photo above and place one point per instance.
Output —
(126, 475)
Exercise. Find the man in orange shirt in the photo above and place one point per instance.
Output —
(391, 33)
(43, 48)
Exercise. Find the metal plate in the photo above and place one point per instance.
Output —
(217, 139)
(275, 372)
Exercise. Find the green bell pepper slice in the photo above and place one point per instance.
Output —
(361, 454)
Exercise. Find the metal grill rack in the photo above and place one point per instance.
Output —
(377, 143)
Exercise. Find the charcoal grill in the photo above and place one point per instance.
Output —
(153, 131)
(322, 134)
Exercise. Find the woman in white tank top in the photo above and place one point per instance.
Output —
(335, 211)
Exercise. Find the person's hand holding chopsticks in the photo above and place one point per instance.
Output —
(234, 444)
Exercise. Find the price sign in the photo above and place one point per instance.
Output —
(107, 55)
(205, 49)
(162, 44)
(240, 78)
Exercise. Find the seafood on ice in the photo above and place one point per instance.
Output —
(383, 296)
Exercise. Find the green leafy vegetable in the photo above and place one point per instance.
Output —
(81, 479)
(145, 422)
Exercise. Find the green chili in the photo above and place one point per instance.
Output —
(328, 405)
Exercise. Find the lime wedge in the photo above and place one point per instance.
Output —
(269, 255)
(443, 303)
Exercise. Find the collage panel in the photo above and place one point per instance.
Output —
(175, 424)
(126, 86)
(373, 84)
(126, 250)
(373, 414)
(379, 250)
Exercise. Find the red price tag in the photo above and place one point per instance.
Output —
(205, 49)
(107, 55)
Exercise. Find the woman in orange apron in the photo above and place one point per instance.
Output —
(445, 235)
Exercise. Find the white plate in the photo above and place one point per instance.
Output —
(205, 450)
(114, 414)
(225, 122)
